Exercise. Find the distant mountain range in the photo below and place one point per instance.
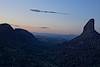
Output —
(53, 38)
(52, 35)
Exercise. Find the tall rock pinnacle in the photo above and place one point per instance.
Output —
(89, 27)
(89, 34)
(86, 46)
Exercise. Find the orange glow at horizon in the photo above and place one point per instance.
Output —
(33, 28)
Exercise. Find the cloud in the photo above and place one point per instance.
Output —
(44, 27)
(43, 11)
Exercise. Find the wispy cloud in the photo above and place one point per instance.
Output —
(44, 27)
(46, 11)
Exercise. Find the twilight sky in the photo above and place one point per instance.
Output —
(17, 13)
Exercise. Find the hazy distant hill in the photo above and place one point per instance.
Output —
(53, 38)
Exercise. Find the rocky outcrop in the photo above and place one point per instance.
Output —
(84, 50)
(6, 31)
(20, 48)
(5, 28)
(88, 36)
(89, 30)
(16, 38)
(17, 46)
(89, 27)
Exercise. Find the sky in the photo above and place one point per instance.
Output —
(18, 14)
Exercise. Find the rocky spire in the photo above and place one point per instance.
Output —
(89, 27)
